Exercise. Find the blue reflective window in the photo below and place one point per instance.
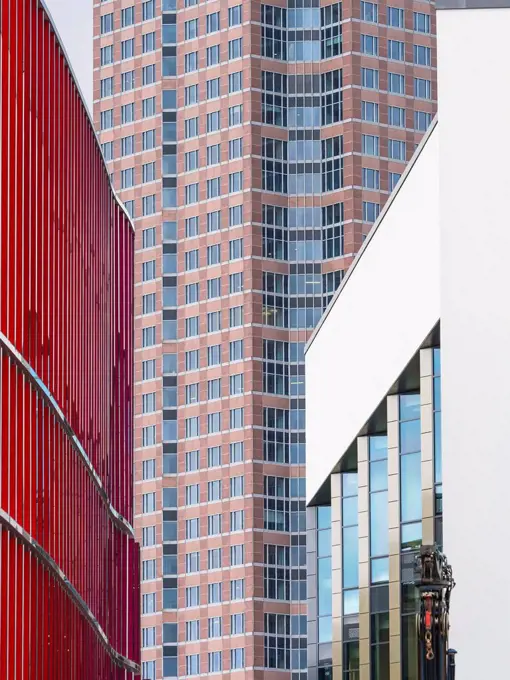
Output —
(410, 487)
(350, 557)
(437, 394)
(378, 448)
(410, 436)
(324, 517)
(350, 484)
(350, 510)
(409, 406)
(324, 596)
(411, 535)
(325, 629)
(438, 464)
(380, 570)
(379, 523)
(379, 475)
(351, 602)
(324, 543)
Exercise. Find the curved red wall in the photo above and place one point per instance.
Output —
(69, 581)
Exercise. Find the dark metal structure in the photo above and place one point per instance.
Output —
(434, 580)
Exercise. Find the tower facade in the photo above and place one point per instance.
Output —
(254, 144)
(69, 563)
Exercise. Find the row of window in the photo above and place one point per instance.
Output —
(214, 456)
(214, 524)
(214, 223)
(214, 662)
(215, 559)
(127, 17)
(422, 55)
(213, 287)
(127, 48)
(214, 425)
(214, 355)
(192, 127)
(394, 17)
(235, 252)
(212, 55)
(213, 321)
(213, 22)
(128, 81)
(396, 116)
(213, 89)
(396, 83)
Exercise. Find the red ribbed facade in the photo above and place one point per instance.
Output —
(69, 564)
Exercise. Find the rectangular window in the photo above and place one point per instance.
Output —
(149, 369)
(213, 423)
(149, 502)
(214, 490)
(127, 81)
(396, 50)
(236, 486)
(237, 589)
(106, 55)
(149, 402)
(213, 88)
(236, 316)
(370, 179)
(192, 293)
(236, 418)
(192, 427)
(107, 119)
(214, 254)
(127, 145)
(192, 460)
(191, 392)
(370, 78)
(192, 664)
(369, 45)
(149, 570)
(127, 16)
(370, 145)
(214, 456)
(396, 83)
(368, 12)
(148, 172)
(235, 115)
(149, 336)
(149, 435)
(148, 42)
(192, 631)
(237, 520)
(107, 149)
(148, 536)
(396, 150)
(395, 17)
(190, 29)
(192, 326)
(237, 658)
(235, 182)
(235, 215)
(235, 48)
(213, 121)
(421, 22)
(127, 178)
(214, 627)
(148, 603)
(214, 221)
(422, 120)
(422, 88)
(191, 226)
(213, 187)
(236, 622)
(214, 525)
(213, 154)
(235, 82)
(212, 22)
(235, 148)
(214, 659)
(214, 355)
(192, 528)
(192, 494)
(148, 10)
(191, 193)
(190, 62)
(422, 55)
(191, 127)
(213, 288)
(106, 23)
(191, 95)
(213, 55)
(370, 211)
(236, 452)
(236, 350)
(149, 205)
(235, 15)
(236, 384)
(127, 49)
(106, 87)
(370, 111)
(396, 116)
(191, 260)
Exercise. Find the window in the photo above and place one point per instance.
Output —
(214, 456)
(395, 17)
(213, 322)
(421, 22)
(396, 50)
(422, 55)
(214, 659)
(213, 55)
(236, 621)
(370, 111)
(191, 226)
(235, 48)
(148, 172)
(192, 326)
(192, 528)
(214, 525)
(370, 145)
(192, 393)
(127, 178)
(236, 556)
(396, 116)
(236, 452)
(214, 355)
(149, 469)
(148, 603)
(127, 49)
(214, 627)
(370, 78)
(396, 83)
(235, 215)
(422, 120)
(149, 502)
(235, 15)
(235, 81)
(235, 148)
(393, 178)
(130, 208)
(190, 95)
(236, 316)
(369, 12)
(237, 520)
(422, 88)
(236, 350)
(213, 88)
(214, 592)
(236, 486)
(149, 74)
(214, 490)
(213, 423)
(149, 369)
(214, 254)
(107, 55)
(192, 562)
(148, 536)
(192, 631)
(214, 221)
(237, 657)
(148, 42)
(396, 150)
(191, 260)
(149, 336)
(370, 211)
(213, 187)
(192, 460)
(191, 127)
(107, 149)
(213, 121)
(369, 45)
(148, 10)
(212, 22)
(236, 384)
(149, 205)
(149, 402)
(127, 16)
(192, 494)
(235, 182)
(107, 119)
(190, 29)
(148, 140)
(127, 145)
(149, 570)
(149, 670)
(192, 293)
(106, 23)
(106, 87)
(213, 154)
(237, 589)
(191, 193)
(370, 178)
(127, 81)
(236, 418)
(149, 303)
(192, 427)
(190, 62)
(192, 664)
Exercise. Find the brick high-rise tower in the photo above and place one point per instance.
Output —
(254, 145)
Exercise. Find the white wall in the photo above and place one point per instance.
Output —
(474, 115)
(384, 311)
